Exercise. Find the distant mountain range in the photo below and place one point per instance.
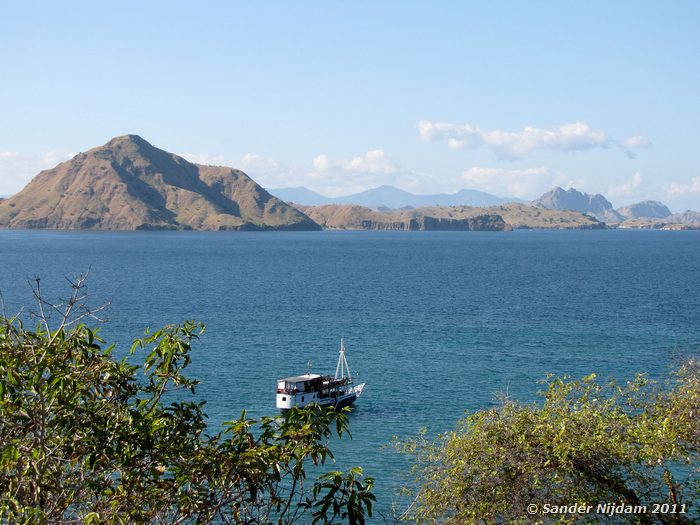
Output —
(128, 184)
(648, 212)
(687, 217)
(392, 198)
(386, 198)
(572, 199)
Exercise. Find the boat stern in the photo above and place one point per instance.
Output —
(285, 401)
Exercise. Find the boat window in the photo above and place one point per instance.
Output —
(284, 398)
(302, 398)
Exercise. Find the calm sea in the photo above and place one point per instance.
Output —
(435, 323)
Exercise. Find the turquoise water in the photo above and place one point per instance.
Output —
(435, 323)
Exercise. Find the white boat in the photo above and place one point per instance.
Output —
(338, 391)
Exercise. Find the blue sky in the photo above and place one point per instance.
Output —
(507, 97)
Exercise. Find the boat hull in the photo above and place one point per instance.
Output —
(338, 402)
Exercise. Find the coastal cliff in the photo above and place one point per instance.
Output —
(353, 217)
(464, 218)
(427, 223)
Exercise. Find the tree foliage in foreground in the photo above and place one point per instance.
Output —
(85, 438)
(586, 442)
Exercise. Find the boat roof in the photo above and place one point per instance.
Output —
(299, 379)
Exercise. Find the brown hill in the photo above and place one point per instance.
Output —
(526, 216)
(342, 216)
(688, 220)
(353, 217)
(128, 184)
(348, 216)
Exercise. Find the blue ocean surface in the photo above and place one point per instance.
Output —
(436, 323)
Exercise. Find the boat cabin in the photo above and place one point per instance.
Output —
(299, 390)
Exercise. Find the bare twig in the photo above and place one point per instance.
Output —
(70, 311)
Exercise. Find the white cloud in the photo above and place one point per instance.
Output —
(258, 163)
(458, 137)
(633, 188)
(637, 142)
(374, 161)
(49, 159)
(681, 196)
(525, 184)
(267, 172)
(513, 145)
(342, 176)
(322, 163)
(204, 159)
(248, 162)
(17, 169)
(679, 188)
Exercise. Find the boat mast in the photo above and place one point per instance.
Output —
(342, 365)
